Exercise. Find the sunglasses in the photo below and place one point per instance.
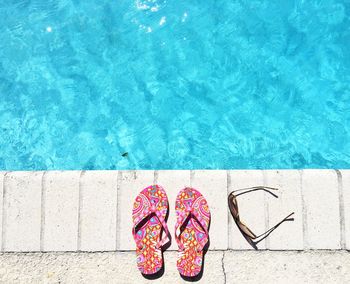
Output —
(248, 234)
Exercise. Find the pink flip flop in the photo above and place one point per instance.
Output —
(148, 215)
(191, 230)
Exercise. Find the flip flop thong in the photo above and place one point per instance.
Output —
(191, 230)
(149, 213)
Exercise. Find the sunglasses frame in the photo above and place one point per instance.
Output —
(248, 234)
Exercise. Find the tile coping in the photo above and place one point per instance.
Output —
(91, 210)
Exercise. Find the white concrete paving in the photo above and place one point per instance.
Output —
(213, 186)
(22, 211)
(2, 175)
(321, 202)
(91, 211)
(289, 236)
(345, 207)
(60, 210)
(287, 267)
(98, 211)
(219, 267)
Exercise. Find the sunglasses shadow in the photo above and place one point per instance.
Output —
(253, 243)
(249, 240)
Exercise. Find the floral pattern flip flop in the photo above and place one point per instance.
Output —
(148, 215)
(191, 230)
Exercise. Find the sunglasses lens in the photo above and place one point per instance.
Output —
(233, 207)
(246, 230)
(235, 214)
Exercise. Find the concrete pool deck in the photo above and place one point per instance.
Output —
(67, 213)
(219, 267)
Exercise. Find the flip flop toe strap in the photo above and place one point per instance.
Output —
(152, 210)
(184, 218)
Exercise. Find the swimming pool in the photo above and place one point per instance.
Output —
(175, 84)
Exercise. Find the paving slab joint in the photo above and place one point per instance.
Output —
(341, 209)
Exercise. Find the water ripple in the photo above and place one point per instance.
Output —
(191, 84)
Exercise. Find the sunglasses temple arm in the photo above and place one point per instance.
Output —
(269, 231)
(247, 190)
(255, 188)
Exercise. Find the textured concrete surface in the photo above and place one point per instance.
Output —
(287, 267)
(220, 267)
(59, 211)
(289, 200)
(91, 210)
(213, 186)
(21, 218)
(322, 215)
(98, 211)
(344, 200)
(2, 175)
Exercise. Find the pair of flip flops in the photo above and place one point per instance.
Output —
(149, 215)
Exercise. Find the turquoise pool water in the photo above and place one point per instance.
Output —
(175, 84)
